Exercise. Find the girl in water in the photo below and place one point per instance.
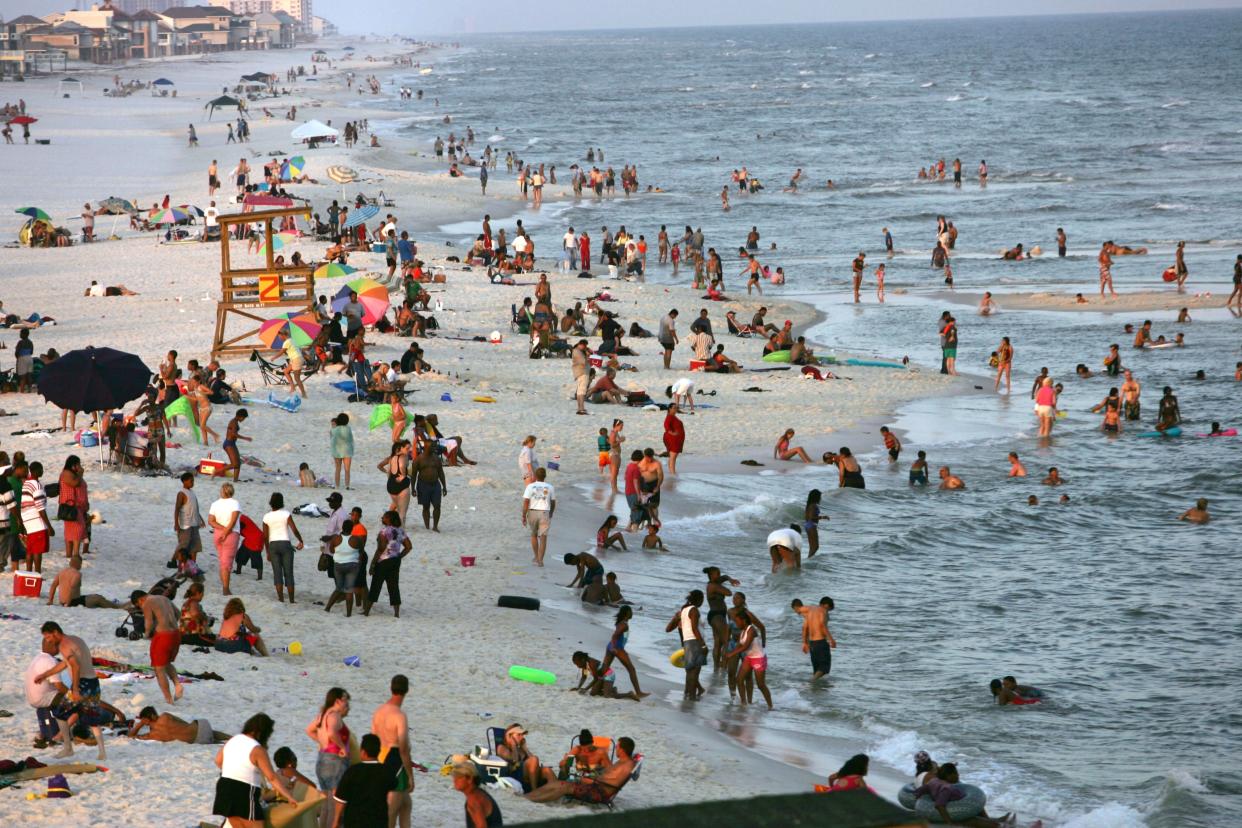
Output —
(754, 659)
(810, 520)
(716, 593)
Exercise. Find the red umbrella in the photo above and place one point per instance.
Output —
(23, 119)
(264, 200)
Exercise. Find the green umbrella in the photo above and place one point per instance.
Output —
(34, 213)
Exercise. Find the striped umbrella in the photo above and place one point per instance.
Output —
(34, 213)
(371, 294)
(333, 270)
(292, 168)
(361, 214)
(300, 327)
(342, 175)
(170, 215)
(279, 241)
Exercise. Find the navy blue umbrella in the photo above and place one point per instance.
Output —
(94, 379)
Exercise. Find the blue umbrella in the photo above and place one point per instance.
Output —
(360, 214)
(163, 82)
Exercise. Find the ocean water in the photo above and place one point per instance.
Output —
(1119, 127)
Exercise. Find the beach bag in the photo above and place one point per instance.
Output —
(67, 511)
(58, 787)
(325, 561)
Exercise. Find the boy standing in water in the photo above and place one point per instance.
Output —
(816, 639)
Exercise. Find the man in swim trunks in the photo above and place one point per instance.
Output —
(429, 484)
(816, 638)
(163, 626)
(599, 790)
(82, 704)
(1106, 268)
(389, 723)
(165, 727)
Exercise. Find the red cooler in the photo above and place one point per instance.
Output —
(27, 584)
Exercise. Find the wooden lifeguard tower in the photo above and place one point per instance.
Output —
(251, 296)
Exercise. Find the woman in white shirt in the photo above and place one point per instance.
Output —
(244, 764)
(224, 518)
(527, 461)
(277, 526)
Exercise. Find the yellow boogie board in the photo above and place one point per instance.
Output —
(678, 659)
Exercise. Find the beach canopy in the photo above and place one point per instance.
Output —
(279, 241)
(94, 379)
(163, 82)
(320, 52)
(168, 215)
(220, 103)
(313, 129)
(839, 809)
(257, 76)
(349, 48)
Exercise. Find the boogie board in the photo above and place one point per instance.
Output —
(1175, 431)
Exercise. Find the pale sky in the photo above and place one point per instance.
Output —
(438, 17)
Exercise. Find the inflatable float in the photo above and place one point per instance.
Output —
(959, 810)
(678, 659)
(1175, 431)
(776, 356)
(532, 675)
(1229, 432)
(517, 602)
(1169, 275)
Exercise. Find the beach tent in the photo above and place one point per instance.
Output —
(261, 77)
(68, 84)
(220, 103)
(313, 129)
(839, 809)
(163, 82)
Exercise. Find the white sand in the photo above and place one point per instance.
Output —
(452, 641)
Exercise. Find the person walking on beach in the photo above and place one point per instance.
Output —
(817, 640)
(277, 526)
(1236, 296)
(949, 336)
(859, 263)
(615, 439)
(232, 433)
(1062, 241)
(390, 724)
(187, 519)
(1004, 364)
(580, 362)
(430, 487)
(162, 621)
(616, 649)
(538, 507)
(193, 136)
(329, 731)
(342, 448)
(213, 178)
(667, 336)
(1179, 266)
(483, 187)
(224, 518)
(391, 545)
(686, 622)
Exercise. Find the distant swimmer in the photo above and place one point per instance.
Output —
(1169, 414)
(888, 247)
(1199, 514)
(1131, 390)
(1054, 478)
(830, 185)
(918, 470)
(1236, 296)
(983, 173)
(957, 172)
(1008, 691)
(949, 480)
(1061, 242)
(1014, 254)
(724, 199)
(1016, 469)
(986, 306)
(793, 181)
(1123, 250)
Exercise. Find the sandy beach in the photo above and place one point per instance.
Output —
(452, 640)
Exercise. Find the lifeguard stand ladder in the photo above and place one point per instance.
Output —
(251, 296)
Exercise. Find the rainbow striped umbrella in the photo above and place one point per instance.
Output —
(333, 270)
(170, 215)
(292, 168)
(371, 294)
(300, 327)
(279, 241)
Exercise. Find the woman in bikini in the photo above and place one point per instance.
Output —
(331, 733)
(615, 439)
(784, 451)
(399, 418)
(716, 593)
(198, 394)
(396, 466)
(616, 649)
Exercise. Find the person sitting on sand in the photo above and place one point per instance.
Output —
(606, 537)
(195, 623)
(943, 789)
(606, 390)
(612, 591)
(1199, 514)
(165, 727)
(721, 364)
(599, 790)
(785, 451)
(589, 575)
(97, 289)
(67, 586)
(652, 539)
(238, 634)
(799, 354)
(851, 776)
(949, 480)
(596, 681)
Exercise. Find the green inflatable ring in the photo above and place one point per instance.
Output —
(777, 356)
(531, 674)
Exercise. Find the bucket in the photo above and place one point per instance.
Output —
(89, 439)
(467, 560)
(27, 584)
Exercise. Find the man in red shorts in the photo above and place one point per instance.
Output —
(160, 619)
(34, 518)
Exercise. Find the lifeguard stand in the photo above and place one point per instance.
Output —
(251, 296)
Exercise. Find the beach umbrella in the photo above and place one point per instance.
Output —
(371, 294)
(313, 129)
(292, 168)
(279, 241)
(190, 208)
(94, 379)
(342, 175)
(359, 215)
(116, 206)
(23, 119)
(300, 327)
(265, 200)
(168, 215)
(163, 82)
(220, 103)
(349, 48)
(33, 212)
(333, 270)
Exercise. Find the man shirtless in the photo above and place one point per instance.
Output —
(163, 627)
(1106, 268)
(1143, 335)
(1199, 514)
(589, 575)
(817, 640)
(1016, 469)
(82, 701)
(949, 480)
(1130, 391)
(429, 484)
(598, 790)
(67, 585)
(391, 726)
(165, 727)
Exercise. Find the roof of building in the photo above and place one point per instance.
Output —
(146, 14)
(26, 20)
(69, 27)
(285, 17)
(196, 11)
(199, 27)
